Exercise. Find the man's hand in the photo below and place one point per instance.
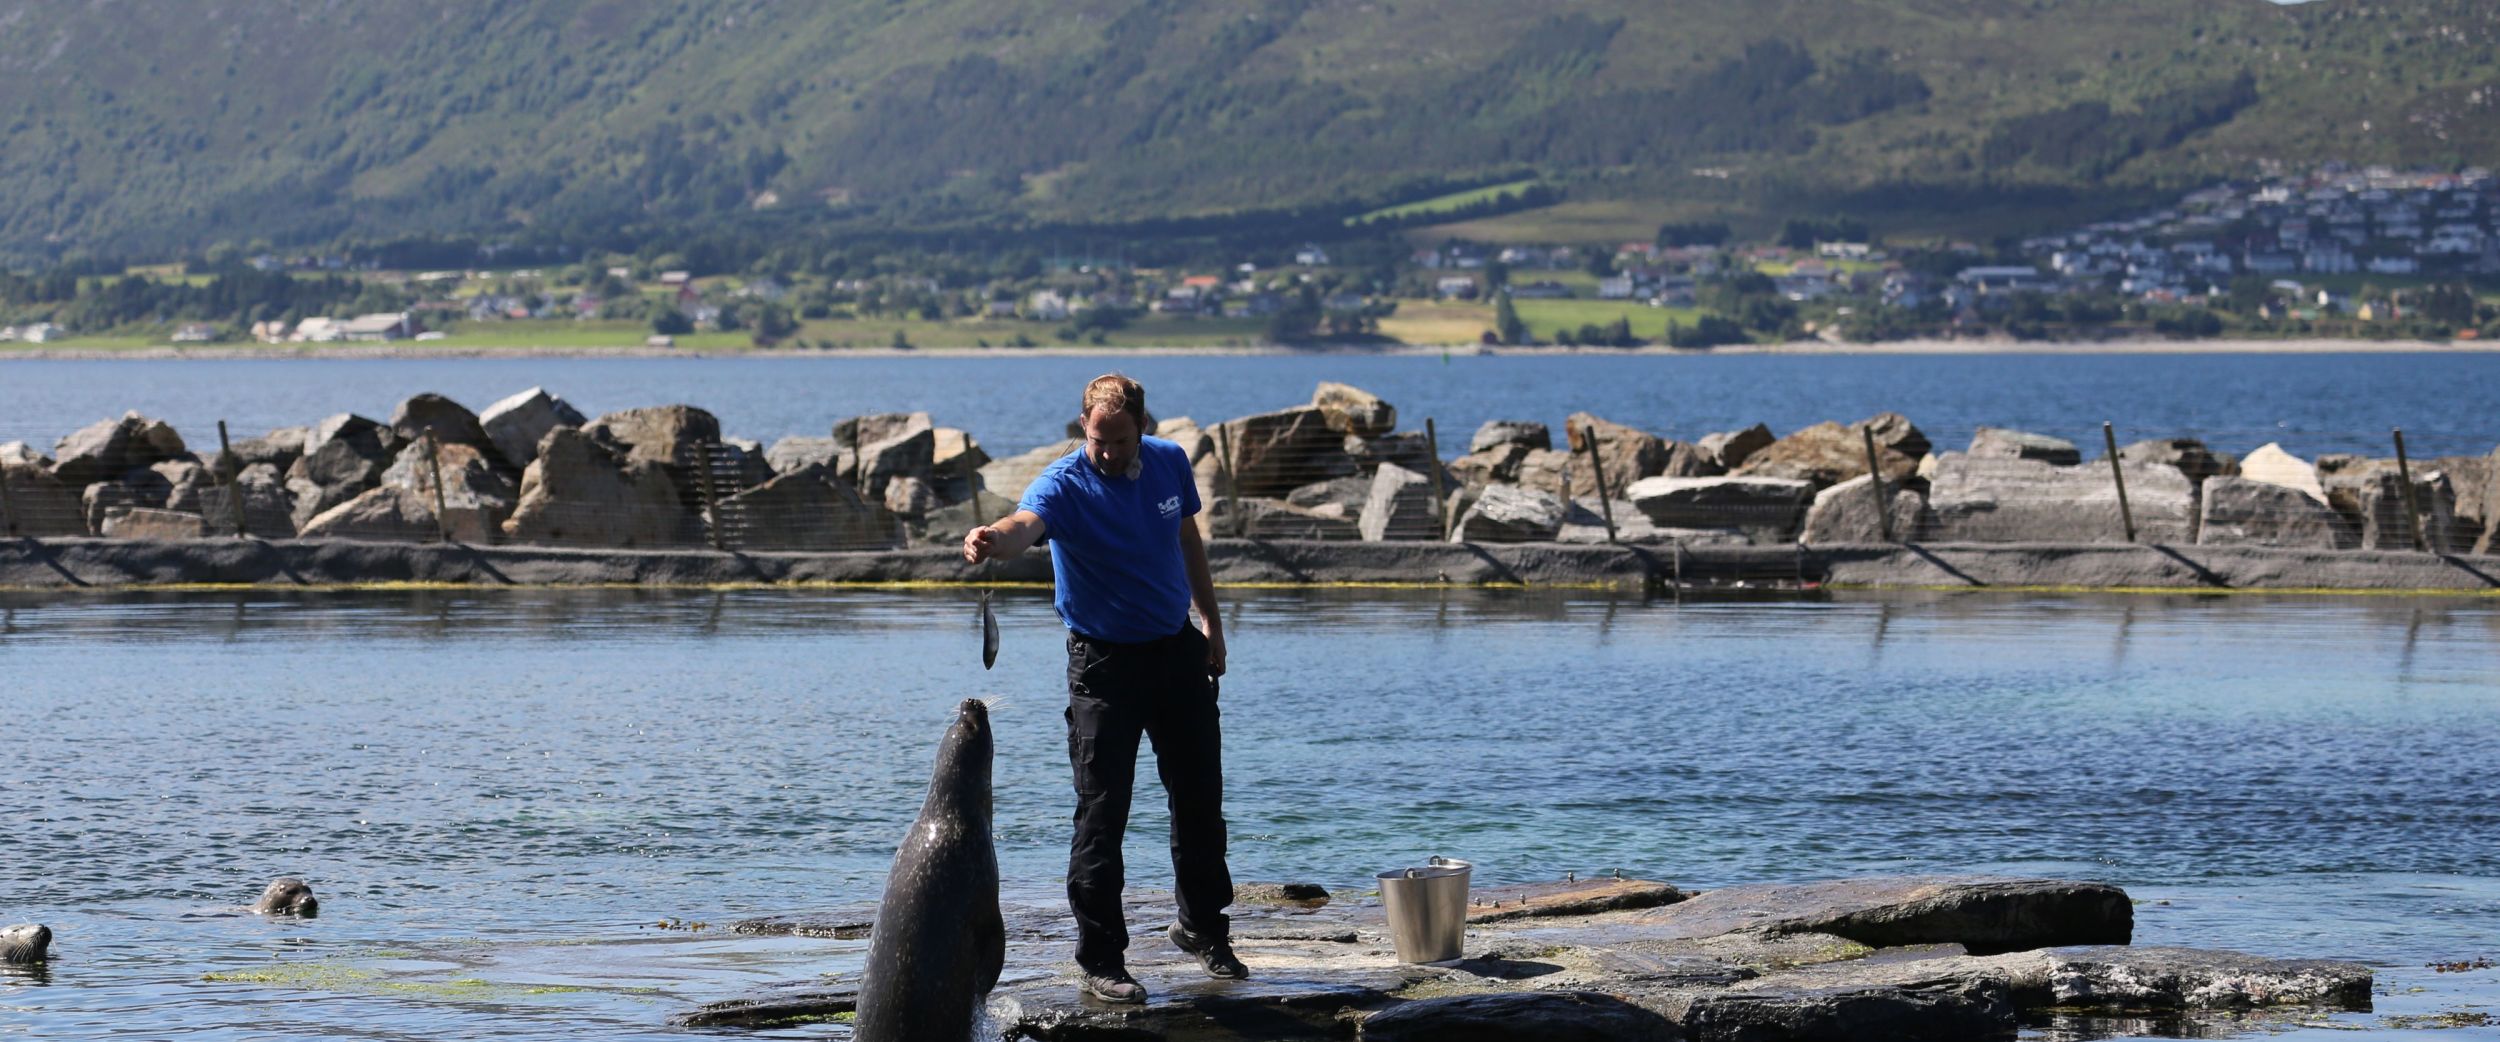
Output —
(980, 544)
(1215, 650)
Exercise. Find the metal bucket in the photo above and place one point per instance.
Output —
(1427, 909)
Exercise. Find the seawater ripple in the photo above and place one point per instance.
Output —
(487, 780)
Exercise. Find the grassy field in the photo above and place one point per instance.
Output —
(1463, 323)
(1442, 203)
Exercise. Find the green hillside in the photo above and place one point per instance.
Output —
(162, 127)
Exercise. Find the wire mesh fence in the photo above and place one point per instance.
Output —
(1339, 468)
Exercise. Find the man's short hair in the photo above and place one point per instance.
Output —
(1119, 394)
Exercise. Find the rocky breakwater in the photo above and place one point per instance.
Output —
(1873, 959)
(531, 469)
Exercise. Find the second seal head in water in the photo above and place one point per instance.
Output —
(939, 941)
(288, 895)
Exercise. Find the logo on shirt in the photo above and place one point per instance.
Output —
(1170, 507)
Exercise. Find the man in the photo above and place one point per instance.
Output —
(1129, 565)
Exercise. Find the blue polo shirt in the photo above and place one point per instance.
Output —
(1115, 543)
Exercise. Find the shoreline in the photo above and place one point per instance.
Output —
(1914, 348)
(63, 564)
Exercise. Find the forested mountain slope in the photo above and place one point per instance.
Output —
(139, 125)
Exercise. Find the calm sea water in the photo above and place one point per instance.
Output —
(2310, 403)
(500, 793)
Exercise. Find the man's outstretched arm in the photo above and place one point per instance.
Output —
(1010, 536)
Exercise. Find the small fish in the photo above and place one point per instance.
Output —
(989, 633)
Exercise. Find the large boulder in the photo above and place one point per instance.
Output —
(279, 448)
(669, 435)
(139, 489)
(910, 498)
(40, 505)
(2188, 454)
(1271, 454)
(147, 523)
(1975, 500)
(1510, 432)
(2272, 465)
(1398, 504)
(899, 445)
(2000, 443)
(1827, 453)
(184, 479)
(583, 492)
(2476, 480)
(1729, 450)
(446, 420)
(1627, 454)
(1275, 519)
(1510, 514)
(1007, 478)
(1353, 411)
(268, 511)
(2244, 512)
(2370, 494)
(1764, 508)
(106, 449)
(18, 453)
(799, 452)
(476, 495)
(343, 455)
(518, 423)
(1551, 471)
(1846, 513)
(396, 514)
(1497, 464)
(806, 509)
(1409, 449)
(1344, 496)
(955, 462)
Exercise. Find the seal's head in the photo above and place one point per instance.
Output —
(26, 944)
(288, 895)
(961, 782)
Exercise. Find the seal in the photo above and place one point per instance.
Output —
(288, 895)
(939, 941)
(25, 944)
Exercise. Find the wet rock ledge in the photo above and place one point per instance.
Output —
(1937, 957)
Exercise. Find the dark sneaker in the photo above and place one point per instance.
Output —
(1214, 953)
(1113, 985)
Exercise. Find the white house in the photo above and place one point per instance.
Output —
(1311, 256)
(41, 333)
(319, 329)
(383, 325)
(1046, 305)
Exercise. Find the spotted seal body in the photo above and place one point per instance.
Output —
(287, 895)
(939, 940)
(25, 944)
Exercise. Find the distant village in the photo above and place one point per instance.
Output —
(2349, 244)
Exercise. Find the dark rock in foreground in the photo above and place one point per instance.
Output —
(1875, 958)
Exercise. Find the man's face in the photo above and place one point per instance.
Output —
(1111, 441)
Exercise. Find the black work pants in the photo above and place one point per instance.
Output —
(1117, 692)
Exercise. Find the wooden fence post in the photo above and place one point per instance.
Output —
(2413, 503)
(1875, 481)
(434, 467)
(234, 481)
(1440, 484)
(1605, 500)
(2109, 441)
